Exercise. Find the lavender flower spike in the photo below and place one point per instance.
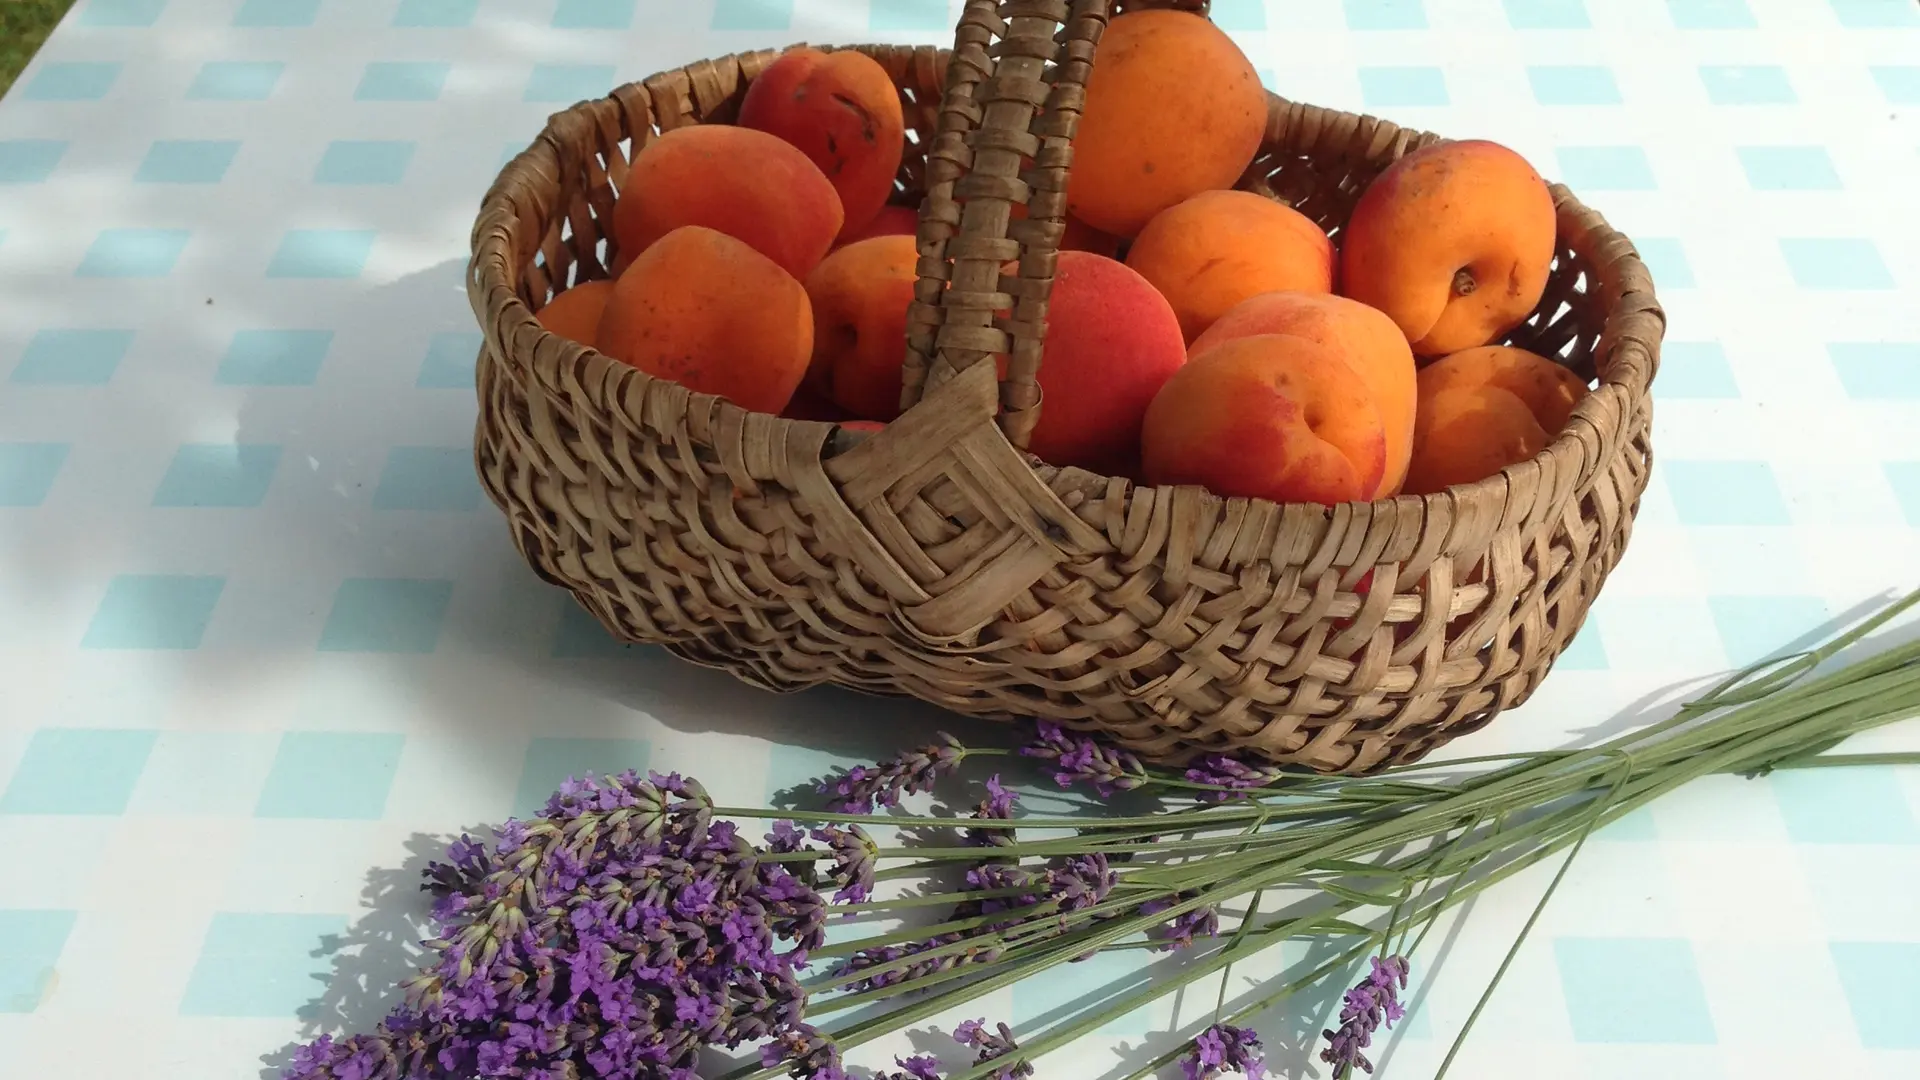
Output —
(1219, 770)
(992, 1045)
(1370, 1004)
(1082, 760)
(1225, 1048)
(859, 788)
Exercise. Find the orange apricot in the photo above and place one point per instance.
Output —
(890, 221)
(860, 296)
(842, 110)
(1173, 108)
(1272, 416)
(1468, 433)
(1366, 339)
(1221, 247)
(1111, 343)
(1548, 390)
(575, 314)
(1454, 242)
(748, 184)
(703, 309)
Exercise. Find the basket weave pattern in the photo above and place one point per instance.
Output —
(936, 559)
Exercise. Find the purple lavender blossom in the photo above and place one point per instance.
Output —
(617, 936)
(1081, 883)
(1082, 760)
(859, 788)
(1179, 932)
(1374, 1001)
(1225, 1048)
(992, 1045)
(917, 1067)
(854, 856)
(997, 806)
(786, 837)
(1222, 771)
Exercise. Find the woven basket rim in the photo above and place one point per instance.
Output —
(490, 268)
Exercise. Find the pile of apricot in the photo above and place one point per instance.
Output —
(1195, 334)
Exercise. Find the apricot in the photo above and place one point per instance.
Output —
(1454, 242)
(575, 314)
(1367, 340)
(1173, 108)
(1549, 391)
(1220, 247)
(707, 311)
(840, 109)
(748, 184)
(1468, 433)
(1112, 342)
(860, 296)
(890, 221)
(806, 404)
(1272, 416)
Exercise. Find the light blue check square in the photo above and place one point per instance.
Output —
(88, 771)
(1574, 84)
(30, 161)
(1835, 263)
(72, 80)
(121, 13)
(1666, 259)
(1633, 990)
(1904, 478)
(322, 253)
(1877, 370)
(331, 775)
(386, 615)
(752, 14)
(1089, 985)
(1858, 805)
(1606, 168)
(580, 636)
(435, 13)
(154, 611)
(1877, 977)
(1901, 85)
(27, 471)
(1725, 493)
(1547, 14)
(1711, 14)
(449, 362)
(428, 478)
(225, 475)
(1586, 652)
(30, 945)
(1633, 828)
(187, 161)
(262, 965)
(908, 15)
(593, 14)
(1788, 168)
(133, 253)
(1756, 628)
(1385, 14)
(1696, 370)
(364, 161)
(1386, 87)
(551, 761)
(1240, 14)
(204, 774)
(1875, 14)
(280, 14)
(235, 80)
(72, 357)
(397, 80)
(273, 357)
(564, 84)
(1747, 84)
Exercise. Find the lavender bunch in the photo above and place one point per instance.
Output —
(1224, 1048)
(858, 789)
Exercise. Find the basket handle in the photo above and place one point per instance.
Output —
(1002, 104)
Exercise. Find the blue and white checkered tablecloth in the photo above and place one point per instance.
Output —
(261, 641)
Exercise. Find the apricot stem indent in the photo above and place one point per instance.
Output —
(1463, 283)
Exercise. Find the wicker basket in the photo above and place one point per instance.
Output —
(936, 559)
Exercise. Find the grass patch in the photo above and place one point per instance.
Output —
(24, 26)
